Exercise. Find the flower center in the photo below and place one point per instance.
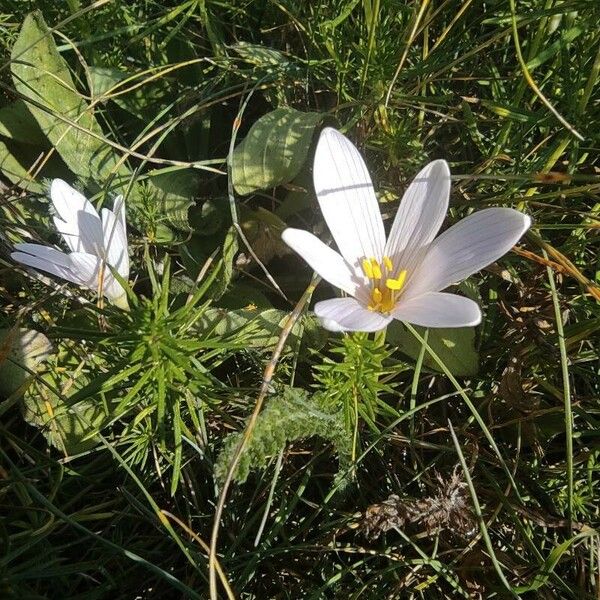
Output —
(384, 288)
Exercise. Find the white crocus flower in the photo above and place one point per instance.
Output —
(401, 277)
(96, 244)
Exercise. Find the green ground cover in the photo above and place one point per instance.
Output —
(411, 464)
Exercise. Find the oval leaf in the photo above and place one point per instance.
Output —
(21, 351)
(455, 346)
(41, 74)
(274, 150)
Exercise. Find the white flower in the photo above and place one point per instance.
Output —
(95, 243)
(401, 277)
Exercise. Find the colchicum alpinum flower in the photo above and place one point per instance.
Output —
(96, 244)
(401, 277)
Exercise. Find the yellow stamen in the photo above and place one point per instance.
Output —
(376, 295)
(396, 284)
(367, 268)
(376, 269)
(387, 261)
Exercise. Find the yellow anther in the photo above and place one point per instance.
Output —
(376, 269)
(376, 295)
(367, 268)
(387, 261)
(396, 284)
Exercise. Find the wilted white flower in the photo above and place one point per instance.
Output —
(401, 277)
(96, 244)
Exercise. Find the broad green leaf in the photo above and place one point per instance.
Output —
(65, 426)
(50, 404)
(455, 346)
(17, 123)
(21, 352)
(42, 75)
(17, 161)
(261, 329)
(103, 79)
(16, 170)
(274, 150)
(263, 229)
(141, 101)
(172, 195)
(210, 216)
(230, 248)
(244, 295)
(261, 56)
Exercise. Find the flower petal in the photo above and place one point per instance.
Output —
(43, 264)
(421, 213)
(88, 268)
(115, 242)
(465, 248)
(322, 259)
(347, 314)
(347, 199)
(438, 309)
(47, 253)
(119, 210)
(77, 220)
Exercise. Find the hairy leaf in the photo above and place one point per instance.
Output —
(289, 416)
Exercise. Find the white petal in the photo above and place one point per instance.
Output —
(347, 314)
(88, 268)
(46, 253)
(465, 248)
(77, 220)
(421, 213)
(119, 210)
(325, 261)
(331, 325)
(115, 242)
(438, 309)
(347, 199)
(42, 264)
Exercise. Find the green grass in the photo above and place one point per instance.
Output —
(107, 459)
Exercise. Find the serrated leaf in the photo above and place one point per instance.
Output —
(42, 75)
(21, 352)
(292, 415)
(455, 346)
(274, 150)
